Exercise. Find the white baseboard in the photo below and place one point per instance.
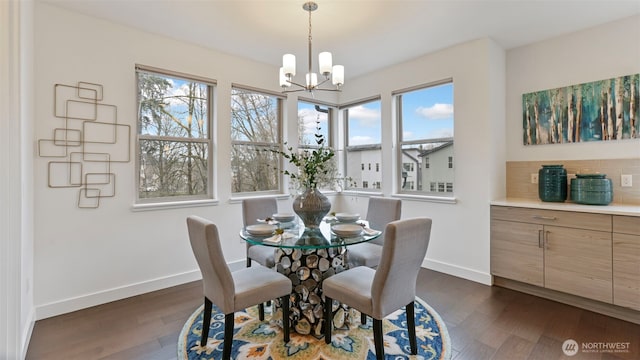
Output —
(28, 330)
(102, 297)
(455, 270)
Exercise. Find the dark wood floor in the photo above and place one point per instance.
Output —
(484, 323)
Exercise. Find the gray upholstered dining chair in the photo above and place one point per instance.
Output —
(388, 288)
(232, 291)
(380, 212)
(252, 210)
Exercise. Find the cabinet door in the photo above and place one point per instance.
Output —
(626, 270)
(579, 262)
(515, 251)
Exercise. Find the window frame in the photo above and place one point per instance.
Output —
(277, 145)
(209, 140)
(344, 111)
(420, 191)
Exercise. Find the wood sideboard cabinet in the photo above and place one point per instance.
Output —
(626, 261)
(566, 251)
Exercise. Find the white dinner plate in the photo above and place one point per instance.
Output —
(261, 229)
(283, 217)
(346, 230)
(347, 217)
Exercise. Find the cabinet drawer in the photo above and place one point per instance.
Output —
(626, 224)
(626, 270)
(588, 221)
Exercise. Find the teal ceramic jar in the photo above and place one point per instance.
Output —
(552, 183)
(591, 189)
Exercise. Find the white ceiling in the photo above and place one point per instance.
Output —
(362, 35)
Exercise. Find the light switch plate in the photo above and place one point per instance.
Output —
(534, 178)
(626, 180)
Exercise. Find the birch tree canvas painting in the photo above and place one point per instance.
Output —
(595, 111)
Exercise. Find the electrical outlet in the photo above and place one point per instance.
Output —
(626, 180)
(534, 178)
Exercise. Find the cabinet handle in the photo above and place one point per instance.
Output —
(544, 217)
(540, 239)
(546, 239)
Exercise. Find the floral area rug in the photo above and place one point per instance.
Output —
(263, 340)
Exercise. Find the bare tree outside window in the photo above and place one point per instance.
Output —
(255, 127)
(174, 140)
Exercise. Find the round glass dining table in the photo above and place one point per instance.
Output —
(308, 256)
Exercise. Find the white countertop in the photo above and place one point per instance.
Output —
(612, 209)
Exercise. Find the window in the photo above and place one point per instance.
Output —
(363, 146)
(377, 167)
(449, 187)
(378, 185)
(365, 184)
(363, 166)
(310, 116)
(173, 136)
(425, 121)
(255, 131)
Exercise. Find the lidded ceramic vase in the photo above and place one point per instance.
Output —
(552, 183)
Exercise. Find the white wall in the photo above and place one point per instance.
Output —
(460, 234)
(85, 257)
(16, 159)
(599, 53)
(27, 91)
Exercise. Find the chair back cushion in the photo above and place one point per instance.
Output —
(382, 211)
(217, 281)
(404, 249)
(258, 208)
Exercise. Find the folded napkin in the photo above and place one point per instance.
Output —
(370, 231)
(277, 238)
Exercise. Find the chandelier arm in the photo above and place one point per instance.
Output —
(297, 84)
(323, 81)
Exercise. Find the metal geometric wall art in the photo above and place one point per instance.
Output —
(596, 111)
(88, 142)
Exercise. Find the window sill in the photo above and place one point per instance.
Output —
(174, 205)
(427, 198)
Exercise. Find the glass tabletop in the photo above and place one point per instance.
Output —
(296, 236)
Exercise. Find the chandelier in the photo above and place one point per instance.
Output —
(325, 67)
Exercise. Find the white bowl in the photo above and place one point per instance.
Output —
(347, 217)
(283, 217)
(261, 229)
(346, 230)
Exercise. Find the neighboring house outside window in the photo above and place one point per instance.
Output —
(363, 141)
(174, 141)
(425, 121)
(255, 131)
